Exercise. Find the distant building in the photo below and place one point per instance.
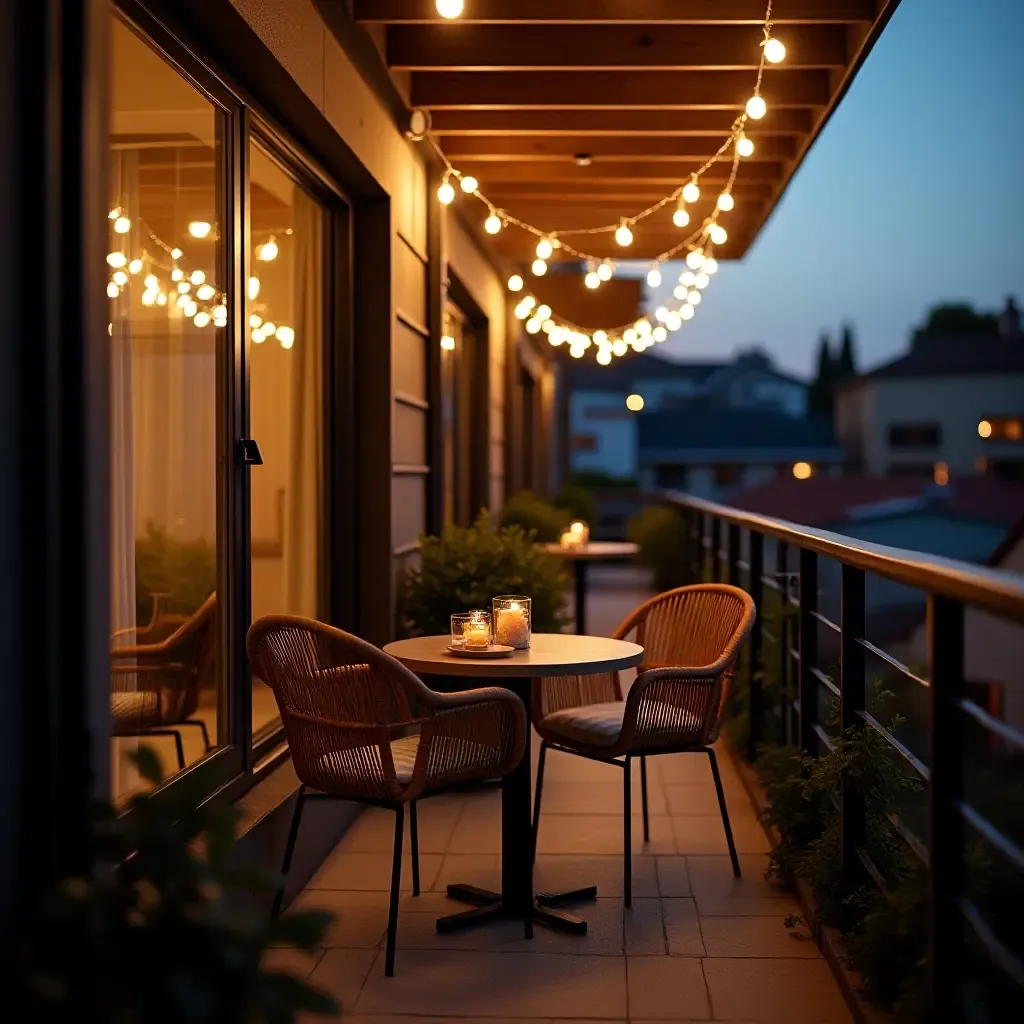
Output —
(712, 451)
(950, 406)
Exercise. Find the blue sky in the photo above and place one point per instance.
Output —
(913, 193)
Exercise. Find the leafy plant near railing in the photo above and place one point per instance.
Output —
(661, 533)
(467, 566)
(152, 933)
(579, 502)
(533, 514)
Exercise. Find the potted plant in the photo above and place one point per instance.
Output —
(535, 516)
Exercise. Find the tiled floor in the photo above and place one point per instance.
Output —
(696, 944)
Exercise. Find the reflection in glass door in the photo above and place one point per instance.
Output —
(286, 302)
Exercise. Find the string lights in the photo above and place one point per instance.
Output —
(698, 245)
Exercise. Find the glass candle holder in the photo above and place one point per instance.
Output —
(471, 629)
(512, 615)
(576, 535)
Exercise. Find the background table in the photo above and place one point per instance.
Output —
(551, 654)
(597, 551)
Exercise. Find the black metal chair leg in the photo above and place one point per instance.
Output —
(179, 749)
(537, 795)
(396, 887)
(414, 842)
(643, 798)
(289, 849)
(627, 854)
(724, 810)
(202, 728)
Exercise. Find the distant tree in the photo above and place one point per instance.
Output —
(955, 320)
(846, 366)
(819, 395)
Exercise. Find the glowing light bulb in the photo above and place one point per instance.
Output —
(592, 280)
(619, 347)
(199, 228)
(744, 146)
(774, 51)
(135, 266)
(469, 184)
(206, 292)
(177, 274)
(600, 338)
(718, 234)
(693, 298)
(802, 470)
(150, 281)
(629, 336)
(623, 235)
(557, 336)
(258, 337)
(679, 292)
(285, 337)
(176, 254)
(515, 283)
(605, 269)
(548, 326)
(533, 325)
(695, 259)
(201, 319)
(269, 328)
(161, 299)
(448, 343)
(184, 287)
(448, 8)
(114, 213)
(197, 277)
(686, 313)
(539, 268)
(446, 194)
(702, 280)
(493, 224)
(268, 251)
(190, 308)
(687, 277)
(654, 276)
(221, 313)
(680, 217)
(691, 192)
(148, 298)
(756, 108)
(673, 321)
(543, 312)
(660, 313)
(253, 288)
(255, 321)
(642, 326)
(604, 357)
(113, 291)
(521, 312)
(634, 403)
(659, 333)
(116, 259)
(545, 247)
(576, 351)
(710, 265)
(726, 201)
(122, 225)
(120, 278)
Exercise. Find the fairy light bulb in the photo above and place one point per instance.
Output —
(493, 224)
(197, 277)
(774, 51)
(702, 280)
(135, 266)
(695, 259)
(469, 184)
(710, 265)
(718, 234)
(693, 298)
(120, 278)
(686, 313)
(660, 313)
(600, 338)
(744, 146)
(148, 298)
(673, 321)
(150, 281)
(114, 213)
(548, 326)
(255, 321)
(539, 268)
(654, 276)
(592, 281)
(756, 108)
(619, 347)
(623, 234)
(122, 225)
(269, 328)
(221, 313)
(116, 260)
(681, 216)
(253, 288)
(201, 319)
(642, 326)
(687, 278)
(576, 351)
(543, 312)
(161, 299)
(285, 337)
(199, 228)
(691, 191)
(448, 343)
(258, 337)
(659, 333)
(206, 292)
(445, 193)
(190, 308)
(545, 247)
(629, 336)
(515, 283)
(679, 292)
(184, 287)
(177, 274)
(533, 325)
(112, 290)
(604, 357)
(448, 8)
(268, 251)
(605, 269)
(726, 201)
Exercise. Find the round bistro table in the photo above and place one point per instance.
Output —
(581, 557)
(551, 654)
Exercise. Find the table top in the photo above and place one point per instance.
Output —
(596, 551)
(551, 654)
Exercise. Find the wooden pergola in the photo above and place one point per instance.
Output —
(572, 113)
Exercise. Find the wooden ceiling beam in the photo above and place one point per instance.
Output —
(650, 90)
(638, 195)
(784, 121)
(666, 12)
(631, 172)
(592, 214)
(565, 148)
(601, 47)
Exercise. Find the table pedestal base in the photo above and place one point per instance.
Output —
(488, 906)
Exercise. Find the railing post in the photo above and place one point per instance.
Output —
(785, 634)
(732, 555)
(716, 543)
(808, 642)
(694, 524)
(945, 795)
(852, 700)
(755, 588)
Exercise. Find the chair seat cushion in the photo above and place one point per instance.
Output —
(403, 752)
(131, 706)
(596, 725)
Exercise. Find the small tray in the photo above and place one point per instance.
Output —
(493, 651)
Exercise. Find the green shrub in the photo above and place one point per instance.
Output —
(579, 502)
(664, 545)
(186, 571)
(596, 480)
(467, 566)
(534, 514)
(152, 933)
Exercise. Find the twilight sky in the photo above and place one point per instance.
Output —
(913, 193)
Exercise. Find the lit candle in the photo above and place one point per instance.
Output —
(512, 628)
(477, 633)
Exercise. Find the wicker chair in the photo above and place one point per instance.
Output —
(691, 638)
(362, 727)
(154, 687)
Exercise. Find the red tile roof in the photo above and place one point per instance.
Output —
(826, 501)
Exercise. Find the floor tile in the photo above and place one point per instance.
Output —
(374, 830)
(342, 972)
(666, 988)
(477, 984)
(704, 834)
(560, 872)
(713, 877)
(775, 991)
(746, 906)
(483, 870)
(601, 834)
(600, 797)
(478, 829)
(682, 927)
(297, 962)
(360, 918)
(673, 876)
(756, 937)
(371, 871)
(691, 799)
(645, 928)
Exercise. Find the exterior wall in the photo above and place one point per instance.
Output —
(603, 416)
(768, 391)
(956, 404)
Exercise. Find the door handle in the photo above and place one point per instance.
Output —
(249, 452)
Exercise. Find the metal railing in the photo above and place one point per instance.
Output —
(730, 545)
